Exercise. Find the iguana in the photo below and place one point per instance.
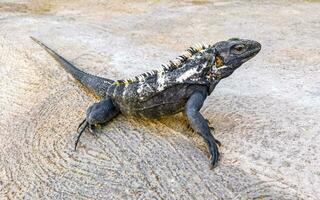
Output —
(182, 85)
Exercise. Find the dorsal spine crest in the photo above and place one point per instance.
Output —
(173, 64)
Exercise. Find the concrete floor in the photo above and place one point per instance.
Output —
(266, 114)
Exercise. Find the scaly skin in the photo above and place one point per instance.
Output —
(181, 86)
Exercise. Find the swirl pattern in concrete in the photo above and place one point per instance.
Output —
(266, 114)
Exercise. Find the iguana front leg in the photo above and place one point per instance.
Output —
(199, 124)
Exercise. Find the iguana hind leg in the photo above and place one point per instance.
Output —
(98, 113)
(200, 125)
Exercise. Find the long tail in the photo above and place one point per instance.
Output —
(95, 84)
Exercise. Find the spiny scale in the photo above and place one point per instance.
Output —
(173, 64)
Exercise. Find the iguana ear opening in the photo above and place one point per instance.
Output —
(218, 61)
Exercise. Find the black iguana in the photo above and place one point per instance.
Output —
(180, 86)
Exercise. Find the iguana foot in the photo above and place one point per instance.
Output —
(215, 155)
(81, 128)
(98, 113)
(217, 141)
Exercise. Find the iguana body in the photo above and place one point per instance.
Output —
(180, 86)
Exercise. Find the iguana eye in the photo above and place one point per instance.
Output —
(239, 47)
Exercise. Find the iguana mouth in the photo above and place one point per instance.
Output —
(250, 54)
(214, 72)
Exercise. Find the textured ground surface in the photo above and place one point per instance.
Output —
(266, 115)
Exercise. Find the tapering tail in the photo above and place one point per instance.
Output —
(95, 84)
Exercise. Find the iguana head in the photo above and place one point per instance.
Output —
(231, 54)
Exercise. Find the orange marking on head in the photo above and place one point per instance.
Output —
(218, 61)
